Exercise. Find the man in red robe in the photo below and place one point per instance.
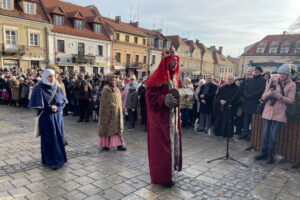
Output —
(164, 128)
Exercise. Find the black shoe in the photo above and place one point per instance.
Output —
(243, 136)
(86, 120)
(105, 149)
(261, 156)
(81, 120)
(55, 167)
(271, 159)
(200, 130)
(169, 185)
(121, 148)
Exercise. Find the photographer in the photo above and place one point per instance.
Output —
(278, 94)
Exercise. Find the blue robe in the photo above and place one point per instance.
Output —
(51, 124)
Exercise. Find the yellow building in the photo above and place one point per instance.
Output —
(129, 48)
(207, 61)
(224, 66)
(24, 28)
(189, 53)
(271, 52)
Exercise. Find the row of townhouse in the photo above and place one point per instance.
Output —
(35, 33)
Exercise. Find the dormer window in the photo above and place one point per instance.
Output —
(78, 24)
(284, 50)
(6, 4)
(285, 47)
(59, 20)
(97, 28)
(260, 50)
(297, 47)
(29, 8)
(274, 47)
(273, 50)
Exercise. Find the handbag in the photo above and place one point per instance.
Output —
(261, 106)
(292, 110)
(36, 131)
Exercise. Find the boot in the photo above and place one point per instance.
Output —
(263, 155)
(271, 159)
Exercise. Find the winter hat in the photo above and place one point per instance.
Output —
(284, 69)
(259, 68)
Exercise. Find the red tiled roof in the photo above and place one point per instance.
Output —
(124, 27)
(273, 39)
(88, 14)
(18, 12)
(56, 10)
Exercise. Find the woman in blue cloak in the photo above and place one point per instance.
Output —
(50, 100)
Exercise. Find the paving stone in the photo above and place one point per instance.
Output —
(112, 194)
(89, 190)
(146, 194)
(124, 188)
(19, 192)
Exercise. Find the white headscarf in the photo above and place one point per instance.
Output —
(47, 73)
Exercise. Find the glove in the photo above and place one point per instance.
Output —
(170, 101)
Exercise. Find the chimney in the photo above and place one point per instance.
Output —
(118, 19)
(159, 31)
(221, 50)
(135, 24)
(197, 41)
(284, 32)
(213, 48)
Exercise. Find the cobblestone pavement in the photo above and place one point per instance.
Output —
(92, 174)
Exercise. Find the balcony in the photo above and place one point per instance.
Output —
(12, 49)
(83, 59)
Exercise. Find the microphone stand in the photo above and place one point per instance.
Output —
(227, 155)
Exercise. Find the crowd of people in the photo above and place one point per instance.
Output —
(221, 108)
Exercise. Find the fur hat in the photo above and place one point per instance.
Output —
(259, 68)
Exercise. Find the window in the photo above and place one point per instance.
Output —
(30, 8)
(151, 42)
(144, 41)
(284, 50)
(11, 37)
(137, 58)
(78, 24)
(273, 50)
(6, 4)
(118, 57)
(153, 59)
(126, 38)
(145, 59)
(117, 36)
(160, 43)
(135, 40)
(297, 50)
(127, 59)
(100, 50)
(165, 45)
(34, 39)
(97, 28)
(59, 20)
(60, 45)
(260, 50)
(81, 49)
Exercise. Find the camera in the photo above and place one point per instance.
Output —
(272, 100)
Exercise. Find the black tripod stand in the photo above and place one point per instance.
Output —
(227, 156)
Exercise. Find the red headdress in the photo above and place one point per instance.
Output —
(162, 74)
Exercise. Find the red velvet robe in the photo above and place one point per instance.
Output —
(159, 138)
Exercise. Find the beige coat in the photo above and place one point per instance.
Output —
(110, 112)
(15, 90)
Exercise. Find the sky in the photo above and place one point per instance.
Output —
(232, 24)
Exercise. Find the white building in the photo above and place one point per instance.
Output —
(78, 42)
